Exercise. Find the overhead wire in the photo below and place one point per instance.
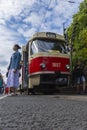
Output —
(47, 7)
(72, 1)
(44, 15)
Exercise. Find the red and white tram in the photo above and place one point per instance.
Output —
(46, 63)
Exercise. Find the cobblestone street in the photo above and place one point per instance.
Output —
(42, 112)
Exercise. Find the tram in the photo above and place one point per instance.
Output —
(46, 63)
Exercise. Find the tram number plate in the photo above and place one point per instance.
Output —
(56, 65)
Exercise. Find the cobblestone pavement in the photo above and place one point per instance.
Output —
(42, 112)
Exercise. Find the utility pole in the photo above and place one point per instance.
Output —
(85, 4)
(65, 33)
(72, 39)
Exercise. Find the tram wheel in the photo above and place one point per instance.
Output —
(31, 91)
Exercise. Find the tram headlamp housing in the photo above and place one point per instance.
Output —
(68, 67)
(43, 65)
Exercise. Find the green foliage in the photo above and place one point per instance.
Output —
(79, 28)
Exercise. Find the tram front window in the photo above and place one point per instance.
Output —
(46, 46)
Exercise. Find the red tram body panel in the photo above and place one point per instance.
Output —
(52, 64)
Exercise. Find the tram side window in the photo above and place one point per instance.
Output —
(33, 48)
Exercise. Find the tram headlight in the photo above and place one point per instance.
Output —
(68, 67)
(43, 65)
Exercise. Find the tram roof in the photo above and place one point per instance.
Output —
(45, 35)
(48, 35)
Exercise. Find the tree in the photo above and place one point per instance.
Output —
(77, 33)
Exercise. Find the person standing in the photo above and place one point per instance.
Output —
(13, 70)
(79, 77)
(1, 84)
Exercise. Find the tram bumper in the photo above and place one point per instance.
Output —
(57, 79)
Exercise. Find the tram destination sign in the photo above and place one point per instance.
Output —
(51, 35)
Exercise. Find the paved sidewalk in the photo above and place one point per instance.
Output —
(39, 112)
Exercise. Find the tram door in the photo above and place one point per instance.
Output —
(25, 68)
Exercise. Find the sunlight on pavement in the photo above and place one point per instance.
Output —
(4, 96)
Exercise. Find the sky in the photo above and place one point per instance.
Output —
(20, 19)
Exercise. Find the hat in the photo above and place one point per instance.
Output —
(17, 46)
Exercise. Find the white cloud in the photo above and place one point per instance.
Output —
(7, 40)
(12, 8)
(27, 33)
(34, 19)
(2, 21)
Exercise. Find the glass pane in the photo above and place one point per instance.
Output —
(46, 46)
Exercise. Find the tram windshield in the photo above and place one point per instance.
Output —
(46, 46)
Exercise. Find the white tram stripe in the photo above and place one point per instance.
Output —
(48, 72)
